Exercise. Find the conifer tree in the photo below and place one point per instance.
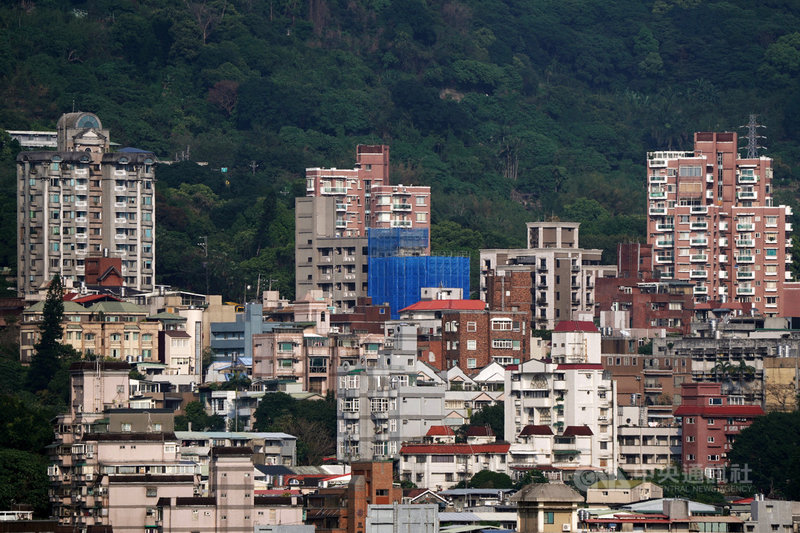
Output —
(46, 358)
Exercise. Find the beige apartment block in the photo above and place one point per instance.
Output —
(111, 329)
(84, 200)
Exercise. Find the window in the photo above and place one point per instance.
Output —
(715, 401)
(771, 252)
(152, 492)
(420, 200)
(711, 421)
(549, 517)
(125, 427)
(710, 439)
(472, 363)
(690, 420)
(503, 344)
(422, 217)
(501, 324)
(689, 438)
(472, 345)
(472, 327)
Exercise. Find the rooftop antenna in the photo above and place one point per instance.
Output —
(753, 137)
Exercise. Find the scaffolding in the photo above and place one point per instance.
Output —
(398, 280)
(391, 242)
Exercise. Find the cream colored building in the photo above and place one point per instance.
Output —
(84, 200)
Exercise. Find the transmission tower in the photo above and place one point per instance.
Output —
(753, 137)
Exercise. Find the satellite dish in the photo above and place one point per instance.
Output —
(345, 366)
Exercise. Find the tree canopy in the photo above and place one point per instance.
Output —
(511, 110)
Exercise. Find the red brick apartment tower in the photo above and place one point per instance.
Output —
(710, 425)
(711, 221)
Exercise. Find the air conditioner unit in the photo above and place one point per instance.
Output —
(89, 455)
(565, 527)
(89, 477)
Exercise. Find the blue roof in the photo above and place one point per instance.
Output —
(131, 150)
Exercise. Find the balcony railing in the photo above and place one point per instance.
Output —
(698, 274)
(745, 243)
(665, 227)
(698, 258)
(748, 179)
(658, 210)
(698, 242)
(745, 226)
(698, 209)
(660, 194)
(747, 195)
(696, 226)
(745, 291)
(745, 274)
(700, 290)
(745, 259)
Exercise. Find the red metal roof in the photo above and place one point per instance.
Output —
(441, 305)
(719, 410)
(577, 430)
(440, 431)
(96, 297)
(535, 430)
(453, 449)
(576, 325)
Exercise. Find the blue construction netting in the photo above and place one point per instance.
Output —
(389, 242)
(398, 280)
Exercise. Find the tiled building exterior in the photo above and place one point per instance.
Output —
(553, 279)
(331, 223)
(84, 200)
(711, 220)
(709, 427)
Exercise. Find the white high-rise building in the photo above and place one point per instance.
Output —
(83, 200)
(562, 413)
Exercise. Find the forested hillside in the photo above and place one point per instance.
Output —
(511, 110)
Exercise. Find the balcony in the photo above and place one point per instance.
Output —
(745, 226)
(334, 190)
(341, 223)
(699, 290)
(658, 179)
(745, 259)
(665, 227)
(698, 226)
(401, 207)
(745, 243)
(788, 226)
(575, 268)
(698, 274)
(698, 258)
(401, 223)
(658, 195)
(665, 244)
(745, 274)
(745, 291)
(664, 259)
(748, 179)
(709, 178)
(658, 210)
(723, 274)
(747, 195)
(709, 194)
(341, 207)
(698, 209)
(699, 241)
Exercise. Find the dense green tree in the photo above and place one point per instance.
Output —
(196, 417)
(492, 416)
(531, 476)
(23, 480)
(48, 351)
(487, 479)
(768, 452)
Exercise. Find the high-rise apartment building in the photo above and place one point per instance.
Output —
(552, 280)
(83, 200)
(711, 220)
(331, 223)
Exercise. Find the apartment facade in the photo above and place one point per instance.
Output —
(712, 221)
(84, 200)
(553, 279)
(709, 427)
(107, 328)
(331, 223)
(563, 413)
(380, 406)
(473, 339)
